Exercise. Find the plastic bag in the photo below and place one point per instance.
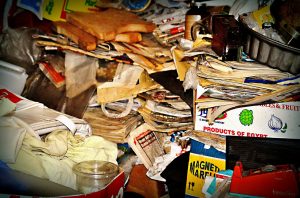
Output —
(190, 80)
(17, 46)
(80, 73)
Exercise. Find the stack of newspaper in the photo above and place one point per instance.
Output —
(115, 130)
(234, 84)
(225, 85)
(164, 111)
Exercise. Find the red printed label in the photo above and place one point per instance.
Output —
(12, 97)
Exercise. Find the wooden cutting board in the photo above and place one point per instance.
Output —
(105, 25)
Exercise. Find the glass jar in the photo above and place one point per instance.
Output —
(94, 175)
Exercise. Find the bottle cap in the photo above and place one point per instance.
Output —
(267, 25)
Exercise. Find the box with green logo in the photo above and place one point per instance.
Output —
(276, 120)
(56, 10)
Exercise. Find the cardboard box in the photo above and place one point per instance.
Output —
(277, 120)
(114, 189)
(55, 10)
(44, 188)
(204, 161)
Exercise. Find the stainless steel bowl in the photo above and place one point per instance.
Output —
(270, 52)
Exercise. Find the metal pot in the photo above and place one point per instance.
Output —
(270, 52)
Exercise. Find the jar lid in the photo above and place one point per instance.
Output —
(95, 167)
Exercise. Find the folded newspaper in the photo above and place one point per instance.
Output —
(41, 119)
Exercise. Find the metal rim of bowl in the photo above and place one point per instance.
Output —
(78, 170)
(267, 39)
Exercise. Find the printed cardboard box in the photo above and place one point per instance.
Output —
(277, 120)
(204, 161)
(114, 189)
(55, 10)
(38, 187)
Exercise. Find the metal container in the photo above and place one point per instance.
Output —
(270, 52)
(94, 175)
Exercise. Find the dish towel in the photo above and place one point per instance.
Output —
(54, 157)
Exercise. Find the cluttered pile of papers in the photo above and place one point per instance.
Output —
(132, 77)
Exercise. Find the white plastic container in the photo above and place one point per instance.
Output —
(12, 77)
